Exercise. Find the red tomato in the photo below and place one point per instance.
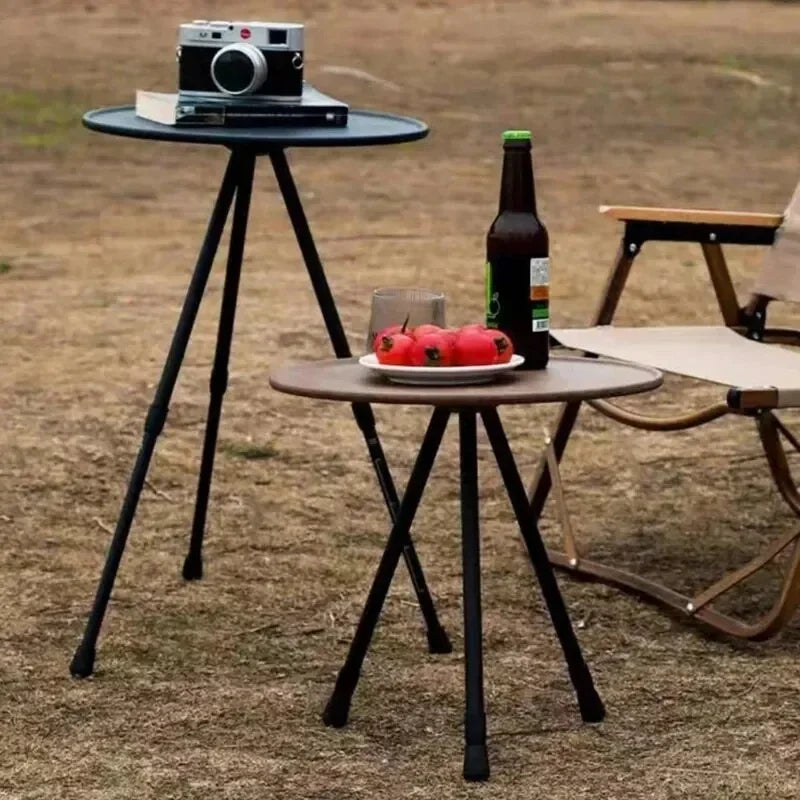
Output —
(423, 330)
(503, 347)
(432, 350)
(390, 331)
(473, 326)
(474, 348)
(451, 334)
(394, 349)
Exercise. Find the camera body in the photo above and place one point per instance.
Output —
(253, 61)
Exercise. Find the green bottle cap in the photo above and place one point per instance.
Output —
(510, 136)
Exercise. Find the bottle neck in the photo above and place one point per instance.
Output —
(517, 191)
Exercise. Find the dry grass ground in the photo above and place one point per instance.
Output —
(214, 690)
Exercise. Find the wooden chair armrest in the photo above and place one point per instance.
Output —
(741, 399)
(691, 215)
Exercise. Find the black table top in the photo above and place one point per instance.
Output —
(363, 128)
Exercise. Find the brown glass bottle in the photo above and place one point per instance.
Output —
(518, 259)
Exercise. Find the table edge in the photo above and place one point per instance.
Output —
(656, 379)
(177, 134)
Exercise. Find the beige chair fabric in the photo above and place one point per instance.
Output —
(780, 275)
(716, 354)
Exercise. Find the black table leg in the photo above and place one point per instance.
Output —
(438, 641)
(82, 663)
(245, 161)
(338, 707)
(476, 759)
(589, 702)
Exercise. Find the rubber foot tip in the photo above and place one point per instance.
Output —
(476, 762)
(82, 664)
(438, 641)
(336, 712)
(193, 568)
(592, 708)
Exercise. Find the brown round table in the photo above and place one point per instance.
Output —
(566, 378)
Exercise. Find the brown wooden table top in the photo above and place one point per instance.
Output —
(565, 378)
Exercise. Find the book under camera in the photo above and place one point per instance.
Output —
(313, 109)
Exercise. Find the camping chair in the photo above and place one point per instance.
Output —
(759, 378)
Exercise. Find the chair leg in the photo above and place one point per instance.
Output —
(543, 481)
(721, 281)
(589, 702)
(82, 664)
(629, 248)
(699, 607)
(769, 430)
(783, 611)
(662, 595)
(789, 435)
(193, 564)
(338, 707)
(476, 758)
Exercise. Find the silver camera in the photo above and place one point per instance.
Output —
(252, 60)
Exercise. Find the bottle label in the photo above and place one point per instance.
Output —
(517, 296)
(540, 294)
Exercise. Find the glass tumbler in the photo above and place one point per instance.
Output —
(394, 306)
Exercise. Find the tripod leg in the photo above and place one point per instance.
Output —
(438, 641)
(193, 564)
(82, 663)
(589, 702)
(338, 708)
(476, 758)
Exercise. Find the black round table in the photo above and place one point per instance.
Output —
(363, 128)
(246, 144)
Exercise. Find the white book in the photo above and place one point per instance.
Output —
(169, 108)
(162, 107)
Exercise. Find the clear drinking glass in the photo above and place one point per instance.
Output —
(393, 306)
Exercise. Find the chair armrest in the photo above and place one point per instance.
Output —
(740, 399)
(691, 216)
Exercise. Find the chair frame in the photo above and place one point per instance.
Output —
(712, 230)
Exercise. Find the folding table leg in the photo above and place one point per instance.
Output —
(193, 564)
(438, 641)
(476, 759)
(338, 707)
(82, 663)
(589, 702)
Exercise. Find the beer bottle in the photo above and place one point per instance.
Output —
(517, 258)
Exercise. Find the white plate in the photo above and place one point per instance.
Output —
(439, 376)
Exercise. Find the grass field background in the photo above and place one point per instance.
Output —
(214, 690)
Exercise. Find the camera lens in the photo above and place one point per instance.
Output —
(238, 69)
